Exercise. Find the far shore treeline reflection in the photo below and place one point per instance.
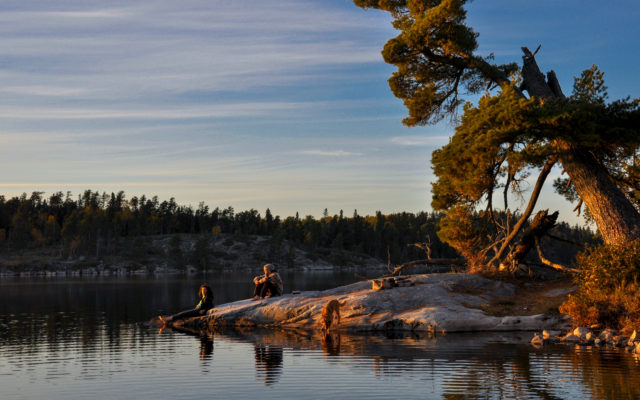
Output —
(93, 224)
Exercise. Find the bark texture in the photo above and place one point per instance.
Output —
(617, 219)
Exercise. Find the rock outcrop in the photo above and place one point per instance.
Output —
(424, 303)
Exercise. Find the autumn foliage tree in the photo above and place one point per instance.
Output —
(522, 125)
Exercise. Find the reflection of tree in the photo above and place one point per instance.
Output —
(600, 371)
(508, 371)
(268, 362)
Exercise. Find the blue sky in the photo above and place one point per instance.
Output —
(254, 104)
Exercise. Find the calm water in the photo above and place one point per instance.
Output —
(85, 338)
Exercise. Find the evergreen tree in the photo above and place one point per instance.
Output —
(509, 134)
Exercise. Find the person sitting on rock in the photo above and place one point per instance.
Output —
(206, 303)
(267, 285)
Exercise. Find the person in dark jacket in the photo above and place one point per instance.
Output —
(267, 285)
(206, 303)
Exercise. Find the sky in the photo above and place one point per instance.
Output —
(255, 103)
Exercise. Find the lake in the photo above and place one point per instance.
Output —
(64, 338)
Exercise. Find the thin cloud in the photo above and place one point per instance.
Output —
(212, 111)
(50, 91)
(422, 141)
(330, 153)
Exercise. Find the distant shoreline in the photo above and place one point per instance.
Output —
(175, 255)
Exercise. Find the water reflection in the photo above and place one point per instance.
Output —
(331, 343)
(82, 340)
(206, 348)
(268, 362)
(502, 366)
(205, 338)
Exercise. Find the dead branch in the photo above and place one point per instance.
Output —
(569, 181)
(533, 81)
(552, 81)
(571, 242)
(578, 207)
(536, 52)
(541, 223)
(425, 246)
(510, 176)
(551, 264)
(527, 213)
(492, 246)
(432, 261)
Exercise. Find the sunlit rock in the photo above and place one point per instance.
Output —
(607, 334)
(537, 340)
(425, 303)
(619, 341)
(581, 332)
(589, 338)
(571, 337)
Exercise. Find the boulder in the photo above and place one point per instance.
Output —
(607, 334)
(589, 338)
(537, 340)
(550, 334)
(619, 341)
(581, 332)
(570, 337)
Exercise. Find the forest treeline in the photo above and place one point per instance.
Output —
(92, 223)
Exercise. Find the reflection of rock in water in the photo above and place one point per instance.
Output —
(488, 365)
(268, 363)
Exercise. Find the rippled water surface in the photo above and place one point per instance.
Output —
(86, 338)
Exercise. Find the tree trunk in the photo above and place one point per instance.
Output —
(617, 219)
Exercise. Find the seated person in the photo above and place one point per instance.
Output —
(267, 285)
(206, 303)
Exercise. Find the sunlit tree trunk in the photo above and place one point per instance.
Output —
(617, 219)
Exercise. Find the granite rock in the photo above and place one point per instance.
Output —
(428, 303)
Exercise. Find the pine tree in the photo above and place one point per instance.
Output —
(509, 134)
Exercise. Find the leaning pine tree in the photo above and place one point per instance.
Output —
(522, 125)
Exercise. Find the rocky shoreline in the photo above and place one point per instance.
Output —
(586, 337)
(429, 303)
(177, 254)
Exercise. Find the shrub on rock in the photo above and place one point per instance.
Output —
(609, 292)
